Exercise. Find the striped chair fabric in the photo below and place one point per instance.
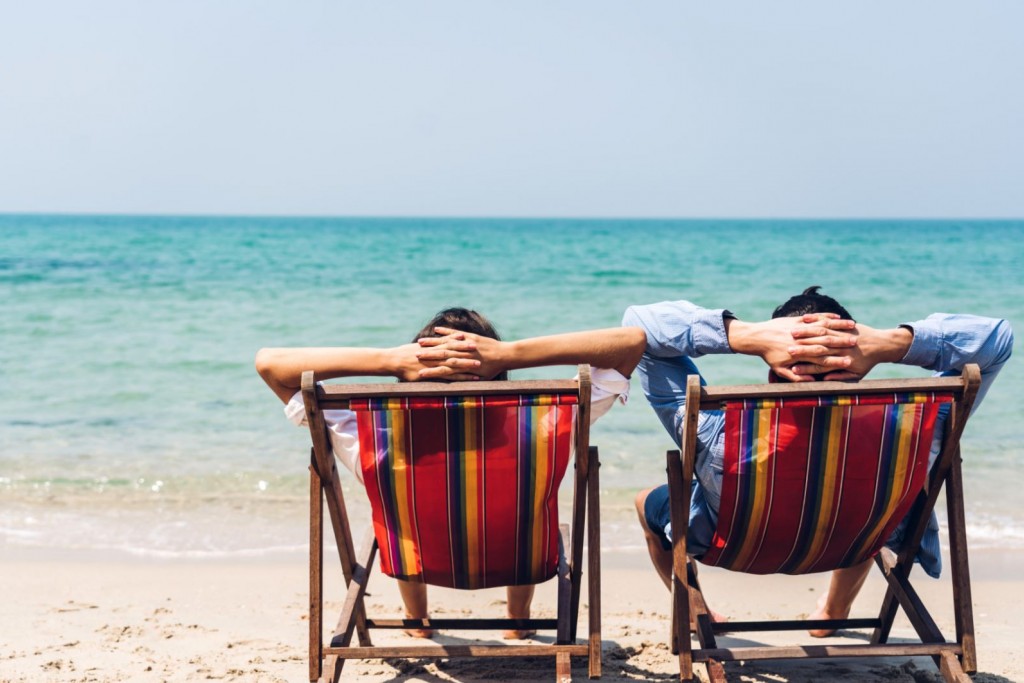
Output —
(816, 484)
(464, 491)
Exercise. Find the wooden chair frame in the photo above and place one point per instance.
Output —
(954, 658)
(326, 661)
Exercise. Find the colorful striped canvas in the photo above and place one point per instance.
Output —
(464, 491)
(815, 484)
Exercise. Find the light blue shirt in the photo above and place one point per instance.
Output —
(679, 331)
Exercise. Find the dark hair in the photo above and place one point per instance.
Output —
(810, 301)
(464, 320)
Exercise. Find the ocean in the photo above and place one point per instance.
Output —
(132, 420)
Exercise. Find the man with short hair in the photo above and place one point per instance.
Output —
(830, 346)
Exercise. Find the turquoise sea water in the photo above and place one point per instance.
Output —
(131, 417)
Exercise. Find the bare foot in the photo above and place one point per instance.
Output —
(716, 618)
(414, 598)
(419, 632)
(837, 602)
(823, 613)
(513, 634)
(518, 607)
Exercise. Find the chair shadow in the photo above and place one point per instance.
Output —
(866, 670)
(891, 669)
(626, 663)
(615, 664)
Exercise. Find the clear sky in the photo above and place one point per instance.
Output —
(584, 108)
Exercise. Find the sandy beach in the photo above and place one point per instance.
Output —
(88, 618)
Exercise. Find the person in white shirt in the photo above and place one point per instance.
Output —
(612, 352)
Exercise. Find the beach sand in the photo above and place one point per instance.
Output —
(92, 619)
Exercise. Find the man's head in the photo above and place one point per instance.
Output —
(810, 301)
(464, 320)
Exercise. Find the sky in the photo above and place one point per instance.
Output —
(572, 108)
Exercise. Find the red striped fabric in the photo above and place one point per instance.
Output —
(813, 485)
(464, 492)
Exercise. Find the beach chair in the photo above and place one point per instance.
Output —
(463, 484)
(816, 477)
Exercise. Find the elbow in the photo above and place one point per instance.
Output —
(1004, 338)
(264, 363)
(635, 345)
(269, 366)
(637, 340)
(636, 322)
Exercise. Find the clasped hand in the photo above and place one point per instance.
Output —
(799, 348)
(458, 356)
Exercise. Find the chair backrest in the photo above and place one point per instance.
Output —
(463, 477)
(817, 480)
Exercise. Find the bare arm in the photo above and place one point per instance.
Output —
(873, 346)
(282, 368)
(462, 355)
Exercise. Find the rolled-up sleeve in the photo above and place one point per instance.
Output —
(945, 343)
(680, 328)
(342, 430)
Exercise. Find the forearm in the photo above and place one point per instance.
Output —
(282, 368)
(884, 346)
(618, 348)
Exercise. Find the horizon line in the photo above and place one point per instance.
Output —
(312, 216)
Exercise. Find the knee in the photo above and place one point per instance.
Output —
(641, 502)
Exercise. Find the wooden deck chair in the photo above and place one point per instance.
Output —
(463, 484)
(816, 477)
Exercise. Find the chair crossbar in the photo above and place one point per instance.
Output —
(736, 654)
(444, 651)
(792, 625)
(468, 624)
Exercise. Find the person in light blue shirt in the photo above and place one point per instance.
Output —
(679, 332)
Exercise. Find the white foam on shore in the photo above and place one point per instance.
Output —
(228, 530)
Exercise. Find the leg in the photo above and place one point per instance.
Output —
(843, 588)
(414, 597)
(518, 607)
(660, 557)
(652, 509)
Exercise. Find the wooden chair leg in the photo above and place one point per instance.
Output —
(716, 672)
(346, 548)
(579, 506)
(963, 610)
(332, 669)
(699, 608)
(681, 609)
(679, 504)
(564, 587)
(353, 604)
(952, 672)
(316, 582)
(594, 565)
(563, 667)
(673, 637)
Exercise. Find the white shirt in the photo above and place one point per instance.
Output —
(606, 386)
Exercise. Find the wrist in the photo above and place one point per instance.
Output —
(899, 341)
(391, 362)
(737, 334)
(885, 346)
(511, 355)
